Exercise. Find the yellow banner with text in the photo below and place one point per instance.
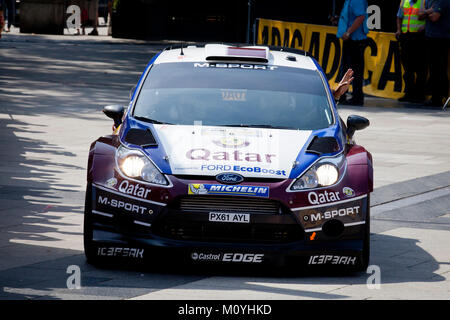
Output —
(383, 75)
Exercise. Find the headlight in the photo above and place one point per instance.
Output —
(323, 173)
(134, 164)
(327, 174)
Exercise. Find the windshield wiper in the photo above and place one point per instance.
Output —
(150, 120)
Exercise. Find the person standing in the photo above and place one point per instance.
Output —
(92, 8)
(411, 35)
(9, 13)
(352, 29)
(2, 21)
(437, 32)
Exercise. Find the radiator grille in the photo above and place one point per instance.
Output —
(223, 232)
(178, 224)
(229, 204)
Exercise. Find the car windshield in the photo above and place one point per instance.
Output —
(221, 94)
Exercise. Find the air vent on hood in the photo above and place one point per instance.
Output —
(320, 145)
(140, 137)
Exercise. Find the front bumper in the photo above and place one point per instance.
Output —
(128, 227)
(111, 244)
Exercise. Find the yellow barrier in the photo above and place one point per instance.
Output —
(383, 75)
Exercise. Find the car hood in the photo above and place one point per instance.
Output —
(251, 152)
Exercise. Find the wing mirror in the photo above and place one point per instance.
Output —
(356, 123)
(115, 112)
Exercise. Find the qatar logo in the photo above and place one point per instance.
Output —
(229, 178)
(231, 142)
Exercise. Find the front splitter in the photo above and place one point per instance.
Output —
(342, 253)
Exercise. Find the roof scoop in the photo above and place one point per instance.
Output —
(228, 53)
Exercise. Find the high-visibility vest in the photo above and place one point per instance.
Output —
(411, 22)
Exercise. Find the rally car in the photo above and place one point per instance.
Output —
(230, 155)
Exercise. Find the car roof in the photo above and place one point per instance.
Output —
(217, 53)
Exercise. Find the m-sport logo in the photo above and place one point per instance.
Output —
(229, 178)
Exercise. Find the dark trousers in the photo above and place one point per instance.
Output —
(413, 56)
(10, 6)
(438, 60)
(353, 57)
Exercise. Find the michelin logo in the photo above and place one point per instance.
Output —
(252, 191)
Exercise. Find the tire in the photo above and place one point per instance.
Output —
(366, 244)
(88, 233)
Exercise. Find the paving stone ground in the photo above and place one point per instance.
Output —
(52, 90)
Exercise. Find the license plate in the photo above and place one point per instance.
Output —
(229, 217)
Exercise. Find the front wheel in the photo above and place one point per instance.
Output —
(88, 233)
(366, 244)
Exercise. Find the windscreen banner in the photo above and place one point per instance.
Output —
(383, 74)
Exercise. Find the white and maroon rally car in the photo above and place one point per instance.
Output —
(232, 155)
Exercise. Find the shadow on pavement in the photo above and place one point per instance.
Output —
(400, 260)
(55, 81)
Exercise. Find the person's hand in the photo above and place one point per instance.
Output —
(397, 34)
(343, 84)
(346, 36)
(334, 20)
(434, 16)
(422, 14)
